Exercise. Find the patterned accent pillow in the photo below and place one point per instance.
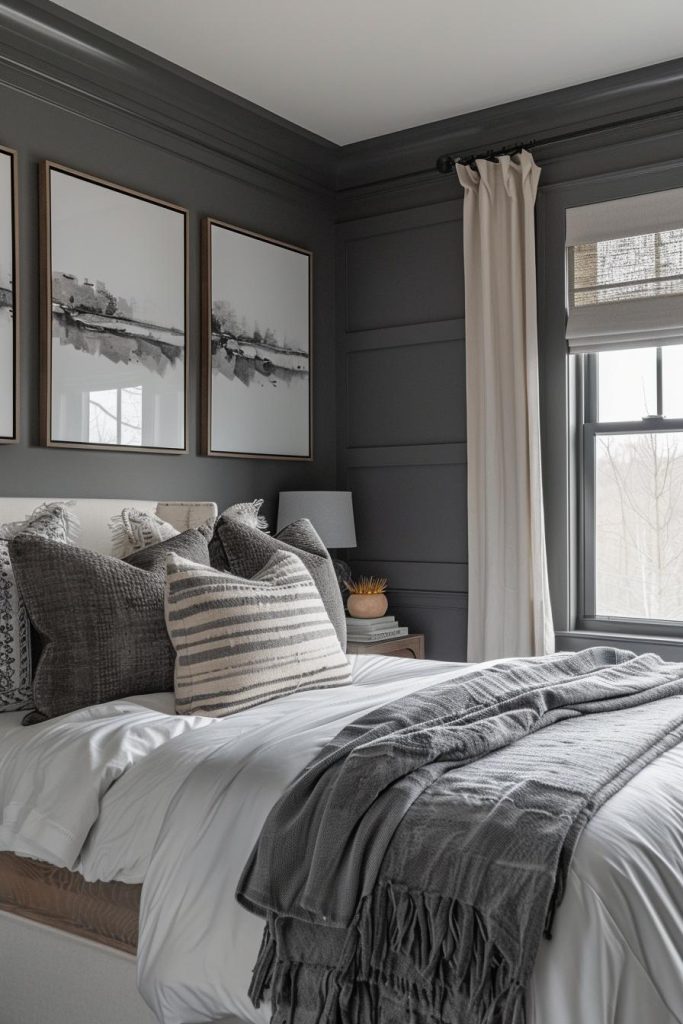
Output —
(59, 523)
(238, 548)
(101, 620)
(242, 642)
(132, 530)
(54, 520)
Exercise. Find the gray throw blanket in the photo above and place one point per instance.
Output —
(407, 876)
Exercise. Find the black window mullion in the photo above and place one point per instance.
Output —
(590, 388)
(588, 580)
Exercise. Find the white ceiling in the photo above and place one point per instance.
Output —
(354, 69)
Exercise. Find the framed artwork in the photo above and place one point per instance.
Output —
(9, 293)
(256, 345)
(115, 325)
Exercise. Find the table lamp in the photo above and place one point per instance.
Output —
(331, 513)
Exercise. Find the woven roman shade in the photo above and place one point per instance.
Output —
(625, 273)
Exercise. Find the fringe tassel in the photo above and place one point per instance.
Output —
(263, 969)
(428, 955)
(250, 513)
(69, 517)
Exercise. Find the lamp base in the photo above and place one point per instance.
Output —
(343, 573)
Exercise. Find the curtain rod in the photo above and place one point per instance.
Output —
(448, 162)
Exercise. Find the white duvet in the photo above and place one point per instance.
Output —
(129, 791)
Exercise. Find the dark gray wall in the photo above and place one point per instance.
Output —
(82, 99)
(400, 329)
(401, 407)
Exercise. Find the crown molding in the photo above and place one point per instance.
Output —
(66, 61)
(405, 161)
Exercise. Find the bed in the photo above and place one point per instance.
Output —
(183, 816)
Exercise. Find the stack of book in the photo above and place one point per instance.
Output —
(369, 631)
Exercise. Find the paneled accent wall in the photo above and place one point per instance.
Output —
(400, 331)
(401, 409)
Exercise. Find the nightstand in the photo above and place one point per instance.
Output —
(411, 646)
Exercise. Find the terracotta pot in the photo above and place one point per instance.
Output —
(367, 606)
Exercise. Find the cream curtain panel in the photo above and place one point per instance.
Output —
(509, 599)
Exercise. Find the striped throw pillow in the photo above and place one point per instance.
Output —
(241, 642)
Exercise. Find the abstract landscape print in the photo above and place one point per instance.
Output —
(256, 345)
(115, 313)
(9, 334)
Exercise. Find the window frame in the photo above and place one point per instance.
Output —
(590, 428)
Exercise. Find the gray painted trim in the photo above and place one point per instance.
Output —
(69, 62)
(404, 335)
(442, 617)
(65, 60)
(382, 226)
(420, 590)
(448, 454)
(394, 221)
(669, 649)
(444, 577)
(619, 182)
(404, 160)
(428, 598)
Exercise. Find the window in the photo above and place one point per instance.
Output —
(625, 327)
(632, 468)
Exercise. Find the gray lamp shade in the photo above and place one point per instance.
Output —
(331, 513)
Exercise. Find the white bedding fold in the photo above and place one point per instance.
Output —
(54, 775)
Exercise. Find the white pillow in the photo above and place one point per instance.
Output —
(133, 530)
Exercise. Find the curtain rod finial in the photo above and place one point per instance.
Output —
(445, 164)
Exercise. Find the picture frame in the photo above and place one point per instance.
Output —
(115, 318)
(257, 345)
(9, 297)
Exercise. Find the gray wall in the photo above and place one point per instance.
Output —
(400, 329)
(87, 102)
(401, 407)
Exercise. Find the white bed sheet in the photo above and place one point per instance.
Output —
(185, 812)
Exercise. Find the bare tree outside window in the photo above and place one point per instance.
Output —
(639, 525)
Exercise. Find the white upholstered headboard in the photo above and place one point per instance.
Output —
(95, 513)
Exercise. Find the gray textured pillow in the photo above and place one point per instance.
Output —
(101, 620)
(242, 642)
(57, 522)
(186, 545)
(242, 550)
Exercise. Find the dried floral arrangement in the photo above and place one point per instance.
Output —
(367, 585)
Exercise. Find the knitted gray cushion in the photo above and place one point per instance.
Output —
(242, 550)
(186, 545)
(101, 620)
